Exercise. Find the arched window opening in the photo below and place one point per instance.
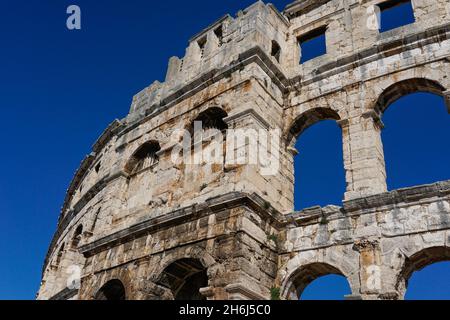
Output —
(329, 287)
(202, 46)
(94, 223)
(318, 172)
(77, 237)
(318, 281)
(185, 278)
(276, 50)
(417, 127)
(212, 118)
(97, 167)
(426, 275)
(145, 157)
(431, 283)
(59, 256)
(112, 290)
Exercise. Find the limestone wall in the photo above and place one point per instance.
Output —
(132, 222)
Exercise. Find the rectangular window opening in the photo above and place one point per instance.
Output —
(202, 45)
(219, 34)
(395, 14)
(276, 50)
(313, 44)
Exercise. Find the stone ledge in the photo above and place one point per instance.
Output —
(106, 136)
(196, 211)
(65, 294)
(404, 195)
(242, 291)
(300, 7)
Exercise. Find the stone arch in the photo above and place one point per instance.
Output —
(305, 275)
(184, 278)
(90, 287)
(211, 118)
(77, 236)
(404, 87)
(59, 255)
(306, 267)
(306, 120)
(196, 253)
(187, 261)
(144, 156)
(392, 91)
(112, 290)
(301, 123)
(419, 261)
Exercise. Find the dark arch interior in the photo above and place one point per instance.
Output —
(59, 255)
(77, 236)
(212, 118)
(112, 290)
(184, 278)
(143, 158)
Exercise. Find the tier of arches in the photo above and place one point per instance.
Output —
(181, 277)
(370, 139)
(215, 118)
(303, 273)
(147, 154)
(187, 278)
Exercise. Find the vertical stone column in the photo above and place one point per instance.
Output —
(375, 278)
(370, 268)
(363, 156)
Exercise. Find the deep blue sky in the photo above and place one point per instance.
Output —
(60, 89)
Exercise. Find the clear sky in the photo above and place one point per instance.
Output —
(59, 90)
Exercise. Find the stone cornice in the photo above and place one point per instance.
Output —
(242, 290)
(106, 136)
(404, 195)
(211, 206)
(259, 206)
(300, 7)
(65, 294)
(387, 200)
(248, 113)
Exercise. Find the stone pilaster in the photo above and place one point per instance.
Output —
(370, 268)
(363, 156)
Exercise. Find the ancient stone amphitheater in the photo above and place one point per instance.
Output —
(137, 225)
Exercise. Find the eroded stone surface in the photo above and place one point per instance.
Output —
(156, 228)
